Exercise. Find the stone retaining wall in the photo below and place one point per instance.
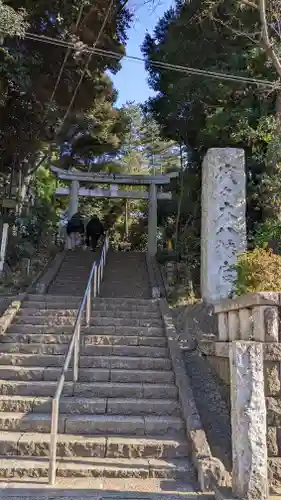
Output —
(217, 354)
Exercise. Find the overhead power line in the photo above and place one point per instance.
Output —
(160, 64)
(69, 49)
(68, 52)
(51, 100)
(87, 63)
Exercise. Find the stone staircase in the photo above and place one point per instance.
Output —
(74, 273)
(122, 419)
(126, 276)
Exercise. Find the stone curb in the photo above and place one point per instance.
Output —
(271, 350)
(248, 301)
(159, 277)
(155, 288)
(52, 270)
(15, 304)
(223, 493)
(10, 313)
(210, 470)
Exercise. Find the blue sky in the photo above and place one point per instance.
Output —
(131, 80)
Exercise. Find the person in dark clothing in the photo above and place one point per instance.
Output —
(75, 229)
(94, 230)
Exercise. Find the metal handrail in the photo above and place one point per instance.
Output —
(95, 278)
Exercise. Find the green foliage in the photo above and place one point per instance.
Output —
(258, 271)
(204, 111)
(189, 247)
(12, 22)
(138, 236)
(28, 74)
(164, 256)
(144, 149)
(38, 226)
(224, 37)
(268, 235)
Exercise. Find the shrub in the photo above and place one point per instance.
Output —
(165, 255)
(258, 270)
(268, 235)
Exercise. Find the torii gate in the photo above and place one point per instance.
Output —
(151, 193)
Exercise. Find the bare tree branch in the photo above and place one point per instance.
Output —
(268, 47)
(236, 32)
(250, 4)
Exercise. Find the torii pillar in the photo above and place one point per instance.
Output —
(72, 207)
(152, 220)
(73, 202)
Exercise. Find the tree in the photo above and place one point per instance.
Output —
(29, 71)
(12, 23)
(144, 149)
(91, 140)
(218, 36)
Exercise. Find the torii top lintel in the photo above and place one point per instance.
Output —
(102, 178)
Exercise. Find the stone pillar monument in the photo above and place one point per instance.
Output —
(223, 226)
(248, 421)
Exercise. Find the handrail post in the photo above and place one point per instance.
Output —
(95, 282)
(102, 264)
(100, 276)
(89, 305)
(76, 352)
(53, 442)
(99, 279)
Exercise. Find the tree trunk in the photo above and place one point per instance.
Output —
(25, 183)
(278, 111)
(126, 220)
(179, 201)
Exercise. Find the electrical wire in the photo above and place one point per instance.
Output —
(51, 100)
(68, 52)
(87, 64)
(69, 48)
(160, 64)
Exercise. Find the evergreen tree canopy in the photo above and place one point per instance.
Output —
(29, 71)
(226, 37)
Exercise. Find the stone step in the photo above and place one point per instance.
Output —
(56, 360)
(89, 406)
(33, 373)
(74, 273)
(125, 290)
(95, 330)
(90, 390)
(101, 301)
(51, 374)
(95, 321)
(80, 277)
(76, 283)
(111, 313)
(60, 338)
(35, 444)
(50, 298)
(86, 350)
(92, 424)
(73, 291)
(20, 467)
(39, 404)
(111, 307)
